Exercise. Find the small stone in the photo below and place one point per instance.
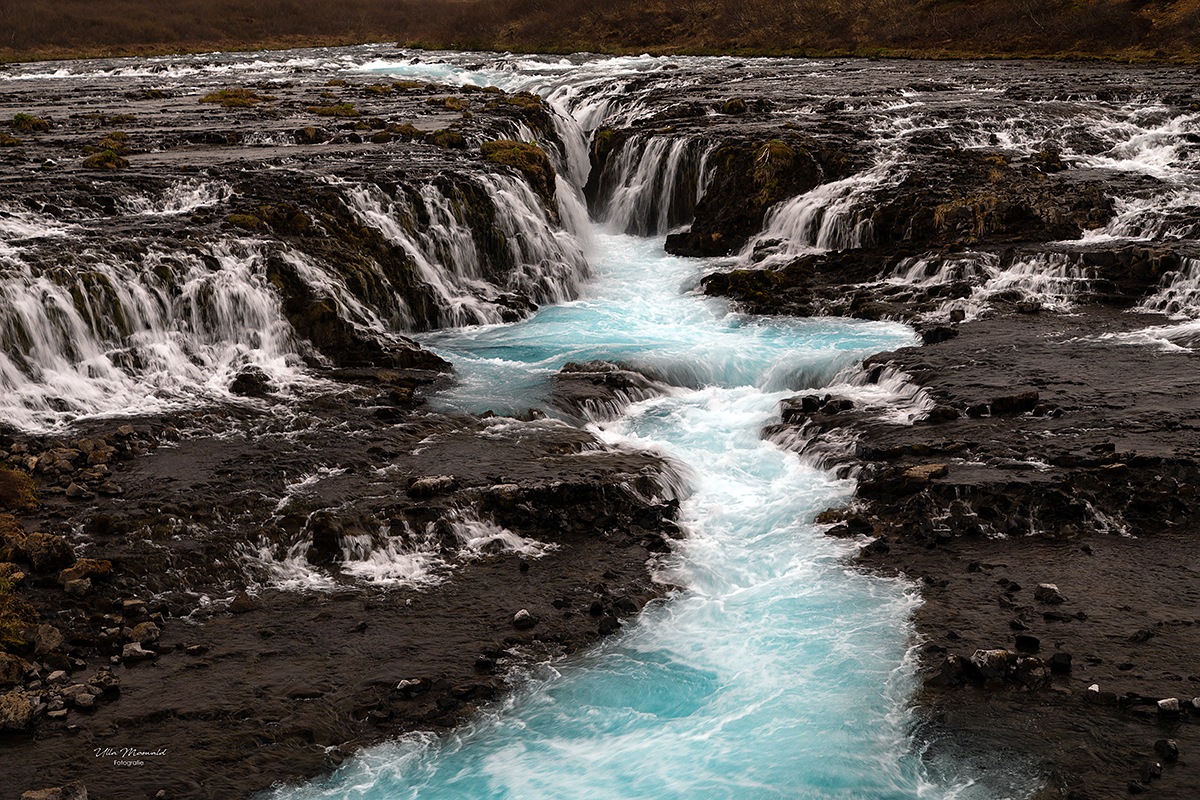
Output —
(1167, 750)
(1047, 593)
(145, 633)
(1169, 707)
(134, 608)
(85, 568)
(1028, 644)
(60, 714)
(1149, 770)
(57, 678)
(85, 701)
(523, 620)
(111, 488)
(71, 791)
(241, 604)
(48, 552)
(993, 665)
(609, 624)
(47, 638)
(78, 588)
(106, 681)
(12, 669)
(77, 492)
(134, 652)
(16, 711)
(1060, 663)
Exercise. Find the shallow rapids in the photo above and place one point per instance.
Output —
(776, 671)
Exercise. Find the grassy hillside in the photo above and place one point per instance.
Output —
(1141, 29)
(1119, 29)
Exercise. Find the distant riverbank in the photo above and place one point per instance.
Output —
(1096, 29)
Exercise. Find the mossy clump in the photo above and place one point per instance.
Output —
(15, 618)
(340, 110)
(30, 123)
(408, 132)
(447, 138)
(115, 141)
(526, 100)
(236, 98)
(407, 85)
(337, 82)
(106, 159)
(530, 159)
(773, 159)
(377, 88)
(247, 221)
(8, 140)
(17, 492)
(450, 103)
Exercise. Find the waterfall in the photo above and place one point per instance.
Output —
(832, 216)
(110, 334)
(653, 184)
(1178, 295)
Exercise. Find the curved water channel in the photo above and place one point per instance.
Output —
(776, 672)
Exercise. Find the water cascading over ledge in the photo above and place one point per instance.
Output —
(295, 269)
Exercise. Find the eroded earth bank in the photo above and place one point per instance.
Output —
(293, 554)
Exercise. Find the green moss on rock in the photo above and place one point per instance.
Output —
(447, 138)
(235, 98)
(530, 159)
(17, 492)
(339, 110)
(28, 122)
(106, 159)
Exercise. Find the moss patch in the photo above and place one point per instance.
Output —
(447, 138)
(340, 110)
(530, 159)
(106, 159)
(28, 122)
(16, 491)
(235, 98)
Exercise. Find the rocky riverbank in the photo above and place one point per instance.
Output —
(202, 603)
(1051, 524)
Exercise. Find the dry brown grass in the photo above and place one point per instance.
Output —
(1123, 29)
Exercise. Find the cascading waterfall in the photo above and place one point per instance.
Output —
(653, 184)
(110, 335)
(1180, 292)
(832, 216)
(527, 254)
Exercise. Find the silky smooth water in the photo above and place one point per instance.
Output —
(777, 672)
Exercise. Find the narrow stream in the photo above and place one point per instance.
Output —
(777, 671)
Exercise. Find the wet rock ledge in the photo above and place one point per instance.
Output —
(1046, 505)
(201, 604)
(137, 613)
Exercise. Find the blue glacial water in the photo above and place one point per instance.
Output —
(776, 672)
